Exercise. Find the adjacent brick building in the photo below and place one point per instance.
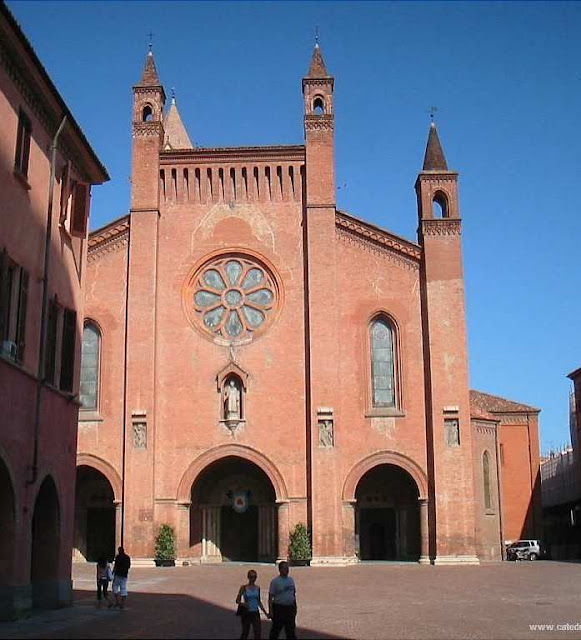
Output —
(42, 268)
(256, 358)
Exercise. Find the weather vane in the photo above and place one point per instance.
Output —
(150, 40)
(432, 112)
(316, 35)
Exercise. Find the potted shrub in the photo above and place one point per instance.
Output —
(299, 548)
(165, 548)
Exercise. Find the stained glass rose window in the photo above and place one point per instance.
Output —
(233, 297)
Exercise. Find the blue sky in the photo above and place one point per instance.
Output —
(505, 77)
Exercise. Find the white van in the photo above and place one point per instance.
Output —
(524, 550)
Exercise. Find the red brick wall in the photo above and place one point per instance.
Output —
(518, 436)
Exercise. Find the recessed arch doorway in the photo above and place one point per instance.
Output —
(233, 513)
(95, 515)
(387, 515)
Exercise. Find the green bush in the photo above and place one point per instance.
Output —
(165, 548)
(299, 547)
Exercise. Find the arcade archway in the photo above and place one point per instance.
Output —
(44, 567)
(387, 515)
(95, 515)
(233, 512)
(7, 525)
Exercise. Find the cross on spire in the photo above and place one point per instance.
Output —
(317, 36)
(432, 112)
(150, 40)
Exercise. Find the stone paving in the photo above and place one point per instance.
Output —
(495, 601)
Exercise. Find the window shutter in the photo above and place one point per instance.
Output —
(4, 301)
(21, 322)
(65, 191)
(80, 209)
(68, 350)
(19, 139)
(26, 149)
(50, 351)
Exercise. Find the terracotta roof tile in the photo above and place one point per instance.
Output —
(150, 78)
(495, 404)
(176, 136)
(434, 159)
(317, 68)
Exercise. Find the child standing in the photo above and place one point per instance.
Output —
(104, 576)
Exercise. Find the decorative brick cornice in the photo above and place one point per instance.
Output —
(329, 80)
(319, 123)
(109, 238)
(278, 153)
(377, 240)
(437, 176)
(486, 429)
(441, 227)
(147, 130)
(515, 418)
(148, 90)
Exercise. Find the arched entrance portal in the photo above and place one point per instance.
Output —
(387, 515)
(233, 512)
(94, 515)
(45, 545)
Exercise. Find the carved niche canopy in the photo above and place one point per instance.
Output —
(232, 369)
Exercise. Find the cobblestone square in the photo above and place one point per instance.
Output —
(495, 601)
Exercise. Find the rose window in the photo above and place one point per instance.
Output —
(233, 297)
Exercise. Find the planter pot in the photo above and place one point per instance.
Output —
(300, 563)
(164, 563)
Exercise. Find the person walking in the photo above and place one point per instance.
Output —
(282, 604)
(249, 597)
(120, 573)
(104, 576)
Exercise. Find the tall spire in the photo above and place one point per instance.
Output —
(434, 160)
(176, 135)
(317, 68)
(150, 77)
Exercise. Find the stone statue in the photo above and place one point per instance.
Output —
(140, 435)
(325, 433)
(232, 401)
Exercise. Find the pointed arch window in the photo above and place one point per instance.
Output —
(486, 480)
(90, 364)
(383, 372)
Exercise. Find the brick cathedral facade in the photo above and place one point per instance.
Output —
(254, 357)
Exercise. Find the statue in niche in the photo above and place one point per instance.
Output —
(232, 401)
(140, 435)
(325, 433)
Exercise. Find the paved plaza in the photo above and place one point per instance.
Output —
(367, 601)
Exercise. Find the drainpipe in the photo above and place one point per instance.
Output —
(43, 310)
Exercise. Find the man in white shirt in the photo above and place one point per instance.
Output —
(282, 604)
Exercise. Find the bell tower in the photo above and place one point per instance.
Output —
(323, 321)
(448, 431)
(147, 135)
(140, 375)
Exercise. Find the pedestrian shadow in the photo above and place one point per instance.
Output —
(147, 615)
